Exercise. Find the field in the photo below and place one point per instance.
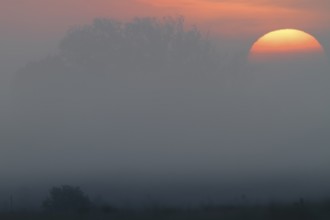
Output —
(300, 210)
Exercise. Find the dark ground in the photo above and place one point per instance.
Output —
(300, 210)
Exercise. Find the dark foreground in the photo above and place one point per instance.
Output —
(300, 210)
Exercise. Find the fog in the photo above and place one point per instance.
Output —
(152, 109)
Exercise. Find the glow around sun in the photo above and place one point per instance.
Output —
(285, 43)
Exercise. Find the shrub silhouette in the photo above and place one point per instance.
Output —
(67, 199)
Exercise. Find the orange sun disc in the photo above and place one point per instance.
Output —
(285, 44)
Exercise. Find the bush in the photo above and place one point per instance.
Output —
(67, 199)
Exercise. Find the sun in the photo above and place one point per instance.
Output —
(285, 44)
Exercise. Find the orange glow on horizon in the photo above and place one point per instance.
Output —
(285, 42)
(232, 18)
(228, 18)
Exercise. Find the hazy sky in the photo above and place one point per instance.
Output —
(37, 25)
(235, 16)
(31, 29)
(36, 20)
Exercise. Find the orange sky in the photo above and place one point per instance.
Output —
(30, 29)
(228, 17)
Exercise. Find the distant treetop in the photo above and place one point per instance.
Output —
(144, 44)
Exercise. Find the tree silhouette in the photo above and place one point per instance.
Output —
(101, 65)
(145, 44)
(67, 199)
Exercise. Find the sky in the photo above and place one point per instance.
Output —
(231, 16)
(31, 29)
(37, 25)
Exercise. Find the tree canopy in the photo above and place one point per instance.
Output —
(109, 65)
(144, 44)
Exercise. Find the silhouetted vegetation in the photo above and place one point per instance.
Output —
(108, 50)
(70, 202)
(67, 199)
(99, 64)
(300, 210)
(145, 44)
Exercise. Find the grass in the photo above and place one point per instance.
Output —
(289, 211)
